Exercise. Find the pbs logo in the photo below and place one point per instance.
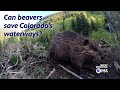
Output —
(98, 70)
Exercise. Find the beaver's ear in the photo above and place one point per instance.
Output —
(86, 42)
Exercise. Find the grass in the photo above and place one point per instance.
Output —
(2, 30)
(14, 59)
(40, 70)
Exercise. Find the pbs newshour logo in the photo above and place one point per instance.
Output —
(103, 68)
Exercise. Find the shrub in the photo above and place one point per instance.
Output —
(97, 21)
(103, 35)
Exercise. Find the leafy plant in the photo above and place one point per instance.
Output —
(103, 35)
(40, 69)
(40, 51)
(14, 59)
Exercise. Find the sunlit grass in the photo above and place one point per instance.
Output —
(2, 37)
(103, 35)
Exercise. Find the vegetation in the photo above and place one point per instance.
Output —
(90, 24)
(103, 35)
(34, 50)
(14, 59)
(82, 22)
(0, 44)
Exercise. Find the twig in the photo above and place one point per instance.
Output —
(19, 54)
(4, 67)
(70, 72)
(51, 72)
(12, 66)
(29, 49)
(35, 62)
(13, 74)
(117, 67)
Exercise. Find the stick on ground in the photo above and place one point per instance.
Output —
(70, 72)
(116, 65)
(51, 72)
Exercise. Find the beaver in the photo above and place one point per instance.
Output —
(70, 47)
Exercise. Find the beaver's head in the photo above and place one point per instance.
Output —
(92, 51)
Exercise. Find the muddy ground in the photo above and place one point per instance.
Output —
(33, 66)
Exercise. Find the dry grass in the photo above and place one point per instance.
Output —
(23, 66)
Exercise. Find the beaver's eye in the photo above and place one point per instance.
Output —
(86, 42)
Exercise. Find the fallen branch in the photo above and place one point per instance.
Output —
(51, 72)
(116, 65)
(70, 72)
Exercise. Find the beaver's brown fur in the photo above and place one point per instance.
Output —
(73, 48)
